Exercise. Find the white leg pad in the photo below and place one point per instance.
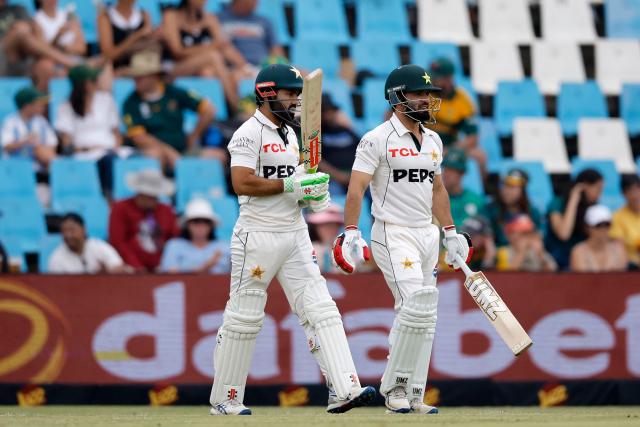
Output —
(419, 378)
(415, 318)
(243, 318)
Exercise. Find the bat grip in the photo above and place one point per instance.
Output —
(463, 265)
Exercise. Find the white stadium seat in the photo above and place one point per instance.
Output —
(444, 21)
(540, 139)
(505, 20)
(492, 62)
(602, 139)
(617, 62)
(567, 20)
(553, 63)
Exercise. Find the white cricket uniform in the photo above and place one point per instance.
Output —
(404, 241)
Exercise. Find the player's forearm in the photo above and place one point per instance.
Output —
(352, 206)
(442, 206)
(253, 185)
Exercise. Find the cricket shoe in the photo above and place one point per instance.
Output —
(359, 396)
(230, 407)
(396, 401)
(418, 407)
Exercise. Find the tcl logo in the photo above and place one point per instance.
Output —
(403, 152)
(280, 171)
(274, 148)
(413, 175)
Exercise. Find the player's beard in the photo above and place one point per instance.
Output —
(419, 115)
(287, 115)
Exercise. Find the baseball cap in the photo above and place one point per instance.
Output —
(476, 225)
(455, 159)
(29, 94)
(516, 177)
(333, 214)
(200, 208)
(82, 73)
(597, 214)
(520, 224)
(441, 67)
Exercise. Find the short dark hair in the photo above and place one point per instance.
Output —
(589, 176)
(629, 181)
(73, 217)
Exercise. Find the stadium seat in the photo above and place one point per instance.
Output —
(516, 99)
(47, 245)
(617, 62)
(14, 248)
(27, 4)
(567, 20)
(638, 163)
(553, 63)
(366, 56)
(310, 55)
(466, 84)
(59, 91)
(153, 8)
(382, 20)
(71, 178)
(226, 207)
(579, 100)
(22, 220)
(606, 139)
(505, 20)
(246, 87)
(424, 54)
(488, 140)
(630, 107)
(622, 18)
(122, 88)
(274, 11)
(492, 62)
(122, 167)
(539, 187)
(87, 13)
(17, 179)
(451, 25)
(340, 94)
(540, 139)
(606, 167)
(472, 179)
(374, 103)
(9, 86)
(203, 177)
(206, 88)
(94, 211)
(320, 20)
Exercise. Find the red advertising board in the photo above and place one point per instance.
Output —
(161, 328)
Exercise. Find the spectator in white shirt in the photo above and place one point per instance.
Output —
(80, 254)
(27, 133)
(89, 123)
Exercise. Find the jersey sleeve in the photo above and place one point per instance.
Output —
(243, 148)
(438, 142)
(188, 99)
(132, 118)
(7, 134)
(367, 155)
(64, 119)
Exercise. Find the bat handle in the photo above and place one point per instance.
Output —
(463, 265)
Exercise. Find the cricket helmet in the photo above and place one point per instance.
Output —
(277, 76)
(408, 78)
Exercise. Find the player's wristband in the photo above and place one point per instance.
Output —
(351, 227)
(449, 231)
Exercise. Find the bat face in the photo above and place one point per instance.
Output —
(311, 120)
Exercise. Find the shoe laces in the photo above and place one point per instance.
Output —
(398, 392)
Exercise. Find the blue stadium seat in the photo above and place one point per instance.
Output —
(273, 10)
(87, 13)
(22, 220)
(638, 162)
(424, 54)
(516, 99)
(472, 179)
(606, 167)
(465, 83)
(310, 55)
(9, 86)
(47, 245)
(203, 177)
(366, 56)
(340, 94)
(374, 103)
(206, 88)
(122, 167)
(94, 211)
(246, 87)
(122, 88)
(59, 91)
(577, 101)
(27, 4)
(320, 20)
(213, 6)
(622, 18)
(488, 140)
(153, 7)
(539, 188)
(17, 179)
(226, 207)
(630, 107)
(70, 178)
(382, 20)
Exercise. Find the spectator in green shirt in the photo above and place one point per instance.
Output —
(464, 203)
(153, 114)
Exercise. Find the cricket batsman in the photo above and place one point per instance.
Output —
(270, 239)
(401, 161)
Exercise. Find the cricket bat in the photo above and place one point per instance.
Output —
(310, 121)
(495, 309)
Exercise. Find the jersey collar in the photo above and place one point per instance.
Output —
(264, 120)
(400, 128)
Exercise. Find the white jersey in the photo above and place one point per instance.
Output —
(403, 171)
(257, 145)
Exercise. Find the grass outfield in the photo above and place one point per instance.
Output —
(99, 416)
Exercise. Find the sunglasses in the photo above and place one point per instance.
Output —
(602, 225)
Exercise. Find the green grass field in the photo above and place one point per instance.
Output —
(99, 416)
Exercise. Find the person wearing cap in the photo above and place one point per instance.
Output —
(484, 248)
(323, 228)
(599, 252)
(27, 133)
(525, 249)
(625, 225)
(154, 112)
(197, 250)
(512, 200)
(140, 226)
(457, 119)
(464, 202)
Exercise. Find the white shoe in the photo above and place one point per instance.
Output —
(396, 401)
(418, 407)
(359, 396)
(230, 407)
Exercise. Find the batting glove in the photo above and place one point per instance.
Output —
(348, 245)
(307, 186)
(456, 244)
(319, 205)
